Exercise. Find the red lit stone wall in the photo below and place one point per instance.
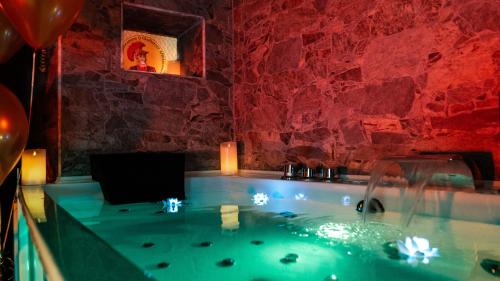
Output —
(107, 109)
(346, 82)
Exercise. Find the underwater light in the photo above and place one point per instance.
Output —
(260, 199)
(346, 200)
(416, 249)
(300, 196)
(332, 277)
(171, 205)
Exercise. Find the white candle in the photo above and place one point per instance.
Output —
(33, 167)
(228, 158)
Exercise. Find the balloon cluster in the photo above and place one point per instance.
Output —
(39, 23)
(10, 40)
(13, 131)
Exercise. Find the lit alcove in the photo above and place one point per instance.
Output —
(162, 41)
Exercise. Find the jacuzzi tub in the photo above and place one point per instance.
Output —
(236, 228)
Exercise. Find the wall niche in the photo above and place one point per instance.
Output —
(162, 41)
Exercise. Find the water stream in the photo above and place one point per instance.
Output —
(413, 175)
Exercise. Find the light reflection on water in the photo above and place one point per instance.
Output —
(367, 235)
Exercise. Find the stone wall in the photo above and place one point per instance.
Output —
(107, 109)
(346, 82)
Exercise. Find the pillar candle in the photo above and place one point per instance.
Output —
(228, 158)
(174, 67)
(33, 167)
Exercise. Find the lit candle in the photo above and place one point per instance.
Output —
(228, 158)
(229, 217)
(33, 167)
(174, 67)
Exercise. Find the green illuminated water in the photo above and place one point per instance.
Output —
(351, 252)
(324, 232)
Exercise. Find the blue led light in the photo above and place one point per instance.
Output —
(300, 196)
(260, 199)
(171, 205)
(277, 195)
(417, 248)
(346, 200)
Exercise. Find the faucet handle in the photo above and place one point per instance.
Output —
(328, 174)
(290, 171)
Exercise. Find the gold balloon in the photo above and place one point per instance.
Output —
(13, 131)
(40, 22)
(10, 40)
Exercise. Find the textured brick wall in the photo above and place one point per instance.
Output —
(106, 109)
(316, 81)
(335, 82)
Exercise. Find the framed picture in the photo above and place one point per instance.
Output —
(160, 41)
(150, 53)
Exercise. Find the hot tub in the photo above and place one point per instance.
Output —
(241, 228)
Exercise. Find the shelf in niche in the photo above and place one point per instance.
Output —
(162, 41)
